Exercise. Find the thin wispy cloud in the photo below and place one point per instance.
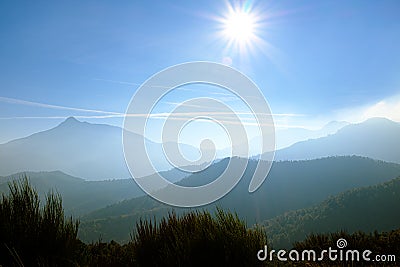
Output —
(50, 106)
(118, 82)
(387, 108)
(183, 104)
(212, 119)
(207, 113)
(62, 117)
(129, 83)
(246, 118)
(237, 112)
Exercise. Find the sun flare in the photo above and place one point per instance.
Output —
(239, 26)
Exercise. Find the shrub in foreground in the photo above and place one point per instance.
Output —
(197, 239)
(31, 234)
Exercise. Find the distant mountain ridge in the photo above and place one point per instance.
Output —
(290, 136)
(376, 138)
(91, 151)
(82, 149)
(94, 151)
(80, 196)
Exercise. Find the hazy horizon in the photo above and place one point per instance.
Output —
(315, 62)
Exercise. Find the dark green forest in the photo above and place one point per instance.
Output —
(363, 209)
(33, 233)
(291, 185)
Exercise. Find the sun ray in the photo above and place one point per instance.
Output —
(240, 26)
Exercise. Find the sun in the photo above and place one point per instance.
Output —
(239, 26)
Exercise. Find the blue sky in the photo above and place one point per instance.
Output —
(322, 60)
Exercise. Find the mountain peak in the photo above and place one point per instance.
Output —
(376, 120)
(70, 120)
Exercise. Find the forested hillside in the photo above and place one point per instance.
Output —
(291, 185)
(368, 209)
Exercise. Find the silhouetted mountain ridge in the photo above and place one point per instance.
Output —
(290, 136)
(376, 138)
(81, 196)
(290, 185)
(91, 151)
